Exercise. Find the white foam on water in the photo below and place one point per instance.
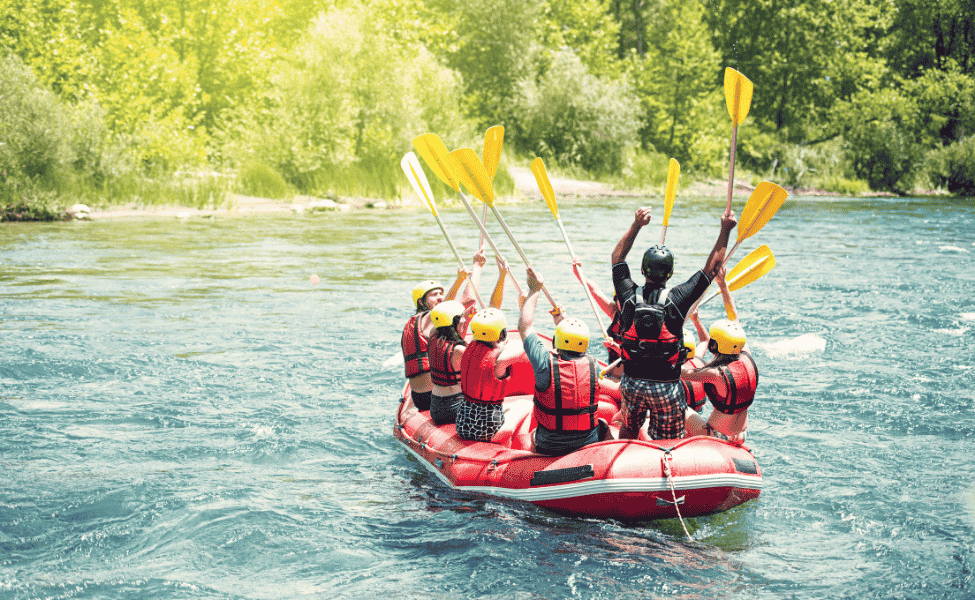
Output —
(393, 361)
(797, 347)
(967, 316)
(951, 249)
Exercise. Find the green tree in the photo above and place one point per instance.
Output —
(676, 84)
(493, 50)
(576, 118)
(349, 99)
(801, 56)
(49, 37)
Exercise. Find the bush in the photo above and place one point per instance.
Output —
(844, 186)
(34, 136)
(645, 170)
(572, 117)
(884, 154)
(257, 178)
(954, 167)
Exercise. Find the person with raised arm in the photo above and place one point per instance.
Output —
(730, 380)
(565, 381)
(652, 320)
(415, 340)
(447, 344)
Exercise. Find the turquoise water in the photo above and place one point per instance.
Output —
(183, 414)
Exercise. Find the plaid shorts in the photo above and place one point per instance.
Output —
(664, 399)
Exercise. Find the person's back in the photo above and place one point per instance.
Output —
(653, 348)
(415, 342)
(445, 350)
(565, 390)
(730, 382)
(480, 415)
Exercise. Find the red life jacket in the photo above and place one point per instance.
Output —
(441, 369)
(414, 345)
(741, 380)
(569, 401)
(649, 352)
(694, 390)
(477, 379)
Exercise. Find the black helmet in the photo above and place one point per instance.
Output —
(658, 264)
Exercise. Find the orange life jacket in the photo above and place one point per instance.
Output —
(477, 379)
(414, 345)
(441, 368)
(569, 401)
(741, 381)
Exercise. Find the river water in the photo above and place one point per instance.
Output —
(183, 414)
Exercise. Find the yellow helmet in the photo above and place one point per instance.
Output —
(443, 314)
(488, 324)
(689, 344)
(422, 289)
(729, 336)
(572, 335)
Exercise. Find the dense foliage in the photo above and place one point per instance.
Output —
(185, 100)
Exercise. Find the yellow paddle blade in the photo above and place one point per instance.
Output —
(738, 95)
(493, 139)
(764, 202)
(758, 262)
(673, 174)
(418, 179)
(545, 186)
(434, 153)
(471, 172)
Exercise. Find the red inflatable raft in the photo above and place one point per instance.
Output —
(621, 479)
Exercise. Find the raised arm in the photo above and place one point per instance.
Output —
(623, 247)
(729, 304)
(527, 317)
(716, 258)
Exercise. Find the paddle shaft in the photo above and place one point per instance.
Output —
(460, 260)
(484, 233)
(609, 368)
(731, 168)
(520, 252)
(592, 302)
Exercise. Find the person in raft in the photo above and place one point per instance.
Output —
(484, 369)
(693, 390)
(565, 381)
(446, 348)
(652, 320)
(730, 380)
(416, 334)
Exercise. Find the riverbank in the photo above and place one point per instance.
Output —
(525, 187)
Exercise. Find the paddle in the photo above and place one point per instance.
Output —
(475, 178)
(762, 205)
(673, 174)
(418, 179)
(758, 263)
(434, 153)
(738, 95)
(493, 140)
(545, 186)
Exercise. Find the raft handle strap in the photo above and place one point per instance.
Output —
(666, 458)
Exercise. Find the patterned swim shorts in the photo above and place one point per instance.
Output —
(478, 422)
(664, 399)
